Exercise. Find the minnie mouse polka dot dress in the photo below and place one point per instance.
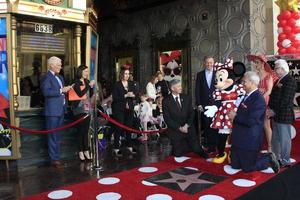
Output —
(228, 99)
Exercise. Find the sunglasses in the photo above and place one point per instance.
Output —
(176, 71)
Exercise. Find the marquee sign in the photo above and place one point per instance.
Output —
(54, 2)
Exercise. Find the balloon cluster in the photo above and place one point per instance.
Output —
(289, 32)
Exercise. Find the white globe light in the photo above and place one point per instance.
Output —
(298, 36)
(286, 43)
(298, 22)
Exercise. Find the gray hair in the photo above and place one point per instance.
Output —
(174, 82)
(253, 76)
(52, 60)
(283, 64)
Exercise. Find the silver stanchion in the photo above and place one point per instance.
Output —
(95, 126)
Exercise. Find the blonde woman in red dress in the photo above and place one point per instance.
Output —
(267, 80)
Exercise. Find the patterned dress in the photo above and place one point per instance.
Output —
(228, 103)
(263, 85)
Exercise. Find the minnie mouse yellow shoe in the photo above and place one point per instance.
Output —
(220, 160)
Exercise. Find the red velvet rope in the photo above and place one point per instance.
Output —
(105, 116)
(29, 131)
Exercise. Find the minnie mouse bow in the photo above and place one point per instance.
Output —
(227, 65)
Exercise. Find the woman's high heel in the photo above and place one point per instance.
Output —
(81, 156)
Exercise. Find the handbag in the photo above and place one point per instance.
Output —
(73, 95)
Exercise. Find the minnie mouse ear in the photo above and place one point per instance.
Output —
(239, 69)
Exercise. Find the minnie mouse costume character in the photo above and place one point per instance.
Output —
(228, 94)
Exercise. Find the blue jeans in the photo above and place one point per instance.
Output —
(281, 141)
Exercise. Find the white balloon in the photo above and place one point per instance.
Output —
(286, 43)
(298, 22)
(298, 36)
(293, 132)
(280, 30)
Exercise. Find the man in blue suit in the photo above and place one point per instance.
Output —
(247, 132)
(52, 86)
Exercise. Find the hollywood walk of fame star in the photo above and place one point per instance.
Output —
(295, 71)
(184, 181)
(290, 63)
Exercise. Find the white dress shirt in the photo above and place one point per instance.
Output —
(208, 76)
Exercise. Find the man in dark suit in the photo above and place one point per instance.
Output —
(178, 115)
(247, 132)
(282, 111)
(52, 86)
(203, 93)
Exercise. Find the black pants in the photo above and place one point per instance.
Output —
(183, 145)
(82, 132)
(222, 138)
(125, 118)
(211, 135)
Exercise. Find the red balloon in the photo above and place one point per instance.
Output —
(282, 51)
(296, 29)
(279, 17)
(298, 50)
(282, 36)
(292, 22)
(287, 29)
(295, 15)
(296, 43)
(286, 14)
(291, 36)
(291, 50)
(282, 23)
(279, 44)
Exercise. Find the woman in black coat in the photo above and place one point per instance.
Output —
(123, 94)
(80, 108)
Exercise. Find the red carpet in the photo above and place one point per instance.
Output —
(130, 186)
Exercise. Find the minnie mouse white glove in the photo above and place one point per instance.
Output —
(210, 111)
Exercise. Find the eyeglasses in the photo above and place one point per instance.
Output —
(176, 71)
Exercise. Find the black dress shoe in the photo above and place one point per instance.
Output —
(274, 163)
(202, 154)
(57, 164)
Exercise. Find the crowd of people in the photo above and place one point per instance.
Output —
(265, 111)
